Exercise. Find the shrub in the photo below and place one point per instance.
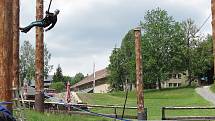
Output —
(58, 86)
(212, 88)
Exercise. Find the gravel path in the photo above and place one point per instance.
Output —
(206, 93)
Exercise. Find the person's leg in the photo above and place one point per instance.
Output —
(35, 23)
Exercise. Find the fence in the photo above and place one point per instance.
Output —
(164, 117)
(55, 107)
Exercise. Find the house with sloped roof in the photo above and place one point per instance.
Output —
(87, 84)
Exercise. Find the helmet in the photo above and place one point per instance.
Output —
(57, 11)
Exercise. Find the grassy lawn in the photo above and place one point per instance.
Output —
(35, 116)
(212, 88)
(154, 100)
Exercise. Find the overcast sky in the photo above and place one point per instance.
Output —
(88, 30)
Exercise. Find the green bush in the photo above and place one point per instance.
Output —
(58, 86)
(212, 88)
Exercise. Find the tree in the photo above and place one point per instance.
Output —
(202, 60)
(128, 55)
(78, 77)
(190, 31)
(115, 69)
(162, 49)
(58, 86)
(58, 76)
(67, 78)
(27, 62)
(47, 57)
(162, 46)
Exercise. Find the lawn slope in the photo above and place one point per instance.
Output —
(154, 100)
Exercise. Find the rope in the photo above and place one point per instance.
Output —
(126, 96)
(204, 23)
(99, 114)
(94, 113)
(49, 5)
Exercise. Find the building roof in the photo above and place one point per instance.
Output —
(47, 81)
(98, 75)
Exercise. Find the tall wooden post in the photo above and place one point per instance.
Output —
(213, 28)
(6, 50)
(39, 96)
(15, 68)
(141, 115)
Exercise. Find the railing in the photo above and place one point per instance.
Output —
(56, 107)
(164, 117)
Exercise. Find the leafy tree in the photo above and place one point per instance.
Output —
(67, 78)
(202, 59)
(58, 86)
(115, 70)
(162, 45)
(58, 76)
(78, 77)
(47, 57)
(128, 54)
(27, 62)
(190, 31)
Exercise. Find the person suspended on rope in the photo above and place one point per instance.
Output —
(50, 19)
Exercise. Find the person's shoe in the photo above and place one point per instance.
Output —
(21, 28)
(24, 31)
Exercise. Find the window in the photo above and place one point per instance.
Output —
(174, 76)
(179, 76)
(179, 84)
(170, 84)
(175, 84)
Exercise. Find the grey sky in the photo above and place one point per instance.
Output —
(88, 30)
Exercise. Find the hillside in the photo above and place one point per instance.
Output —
(154, 100)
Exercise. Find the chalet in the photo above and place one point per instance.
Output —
(176, 80)
(102, 86)
(86, 85)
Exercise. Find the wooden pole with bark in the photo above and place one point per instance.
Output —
(141, 114)
(15, 67)
(39, 93)
(6, 51)
(213, 29)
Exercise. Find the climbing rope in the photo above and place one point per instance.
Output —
(98, 114)
(49, 5)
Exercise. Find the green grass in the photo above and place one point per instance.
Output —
(154, 100)
(35, 116)
(212, 87)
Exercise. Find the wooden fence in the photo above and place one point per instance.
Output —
(164, 117)
(55, 107)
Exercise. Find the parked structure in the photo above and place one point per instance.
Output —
(86, 85)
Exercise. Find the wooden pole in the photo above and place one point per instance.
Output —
(15, 67)
(213, 28)
(139, 76)
(39, 96)
(6, 50)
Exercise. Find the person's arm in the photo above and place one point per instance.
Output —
(49, 14)
(50, 27)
